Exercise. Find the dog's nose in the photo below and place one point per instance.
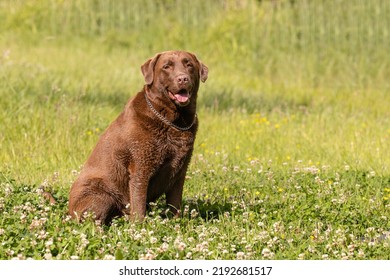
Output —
(182, 79)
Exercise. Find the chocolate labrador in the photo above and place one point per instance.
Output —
(145, 152)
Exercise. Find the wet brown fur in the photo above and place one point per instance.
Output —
(139, 157)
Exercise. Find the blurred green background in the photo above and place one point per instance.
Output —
(68, 67)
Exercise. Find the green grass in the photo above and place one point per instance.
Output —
(292, 156)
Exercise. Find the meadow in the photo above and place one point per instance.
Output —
(292, 155)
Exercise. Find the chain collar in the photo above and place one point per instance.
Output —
(167, 122)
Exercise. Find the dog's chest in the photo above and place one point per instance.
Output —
(175, 149)
(170, 163)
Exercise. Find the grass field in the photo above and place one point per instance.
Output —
(292, 155)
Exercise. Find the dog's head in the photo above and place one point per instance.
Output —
(175, 74)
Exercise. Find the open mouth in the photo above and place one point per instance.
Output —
(182, 96)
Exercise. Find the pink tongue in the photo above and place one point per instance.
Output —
(181, 97)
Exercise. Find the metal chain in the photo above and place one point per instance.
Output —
(167, 122)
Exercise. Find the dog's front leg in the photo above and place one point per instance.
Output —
(138, 193)
(174, 195)
(174, 198)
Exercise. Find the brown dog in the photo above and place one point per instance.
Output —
(145, 152)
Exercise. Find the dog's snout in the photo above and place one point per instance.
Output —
(182, 79)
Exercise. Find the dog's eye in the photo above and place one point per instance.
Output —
(166, 66)
(190, 65)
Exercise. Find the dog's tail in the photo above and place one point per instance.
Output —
(46, 195)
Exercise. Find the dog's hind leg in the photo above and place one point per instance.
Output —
(96, 200)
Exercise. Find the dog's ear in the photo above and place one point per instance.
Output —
(148, 69)
(203, 69)
(203, 72)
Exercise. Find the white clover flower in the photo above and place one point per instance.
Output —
(361, 254)
(21, 257)
(240, 255)
(153, 240)
(108, 257)
(42, 235)
(194, 213)
(190, 239)
(148, 256)
(45, 183)
(311, 249)
(137, 236)
(266, 253)
(164, 247)
(23, 217)
(186, 209)
(189, 256)
(48, 256)
(370, 229)
(49, 243)
(10, 252)
(181, 246)
(351, 247)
